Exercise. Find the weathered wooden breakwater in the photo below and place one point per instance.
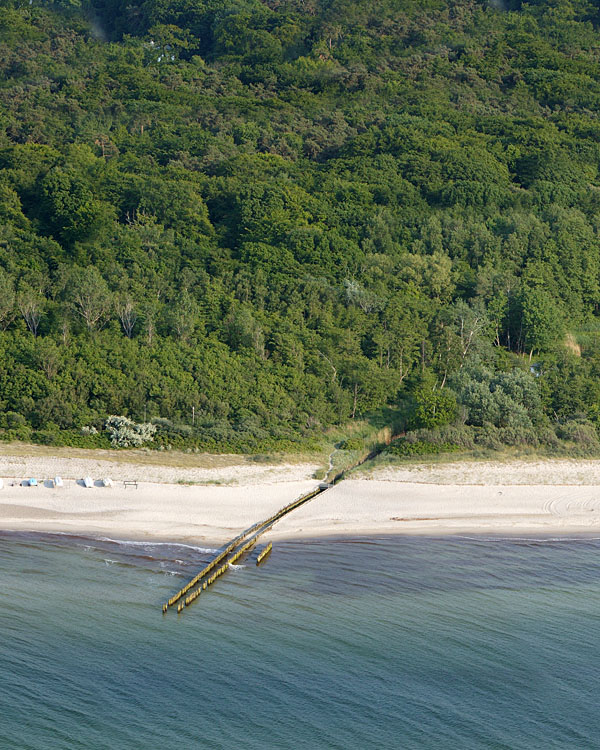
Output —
(246, 540)
(232, 552)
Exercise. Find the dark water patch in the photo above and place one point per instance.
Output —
(416, 565)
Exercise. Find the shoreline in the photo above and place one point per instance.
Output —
(208, 547)
(192, 514)
(372, 506)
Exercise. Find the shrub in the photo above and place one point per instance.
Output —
(459, 435)
(13, 419)
(352, 444)
(22, 433)
(517, 435)
(403, 447)
(185, 430)
(434, 406)
(124, 433)
(580, 432)
(548, 437)
(488, 436)
(506, 399)
(162, 424)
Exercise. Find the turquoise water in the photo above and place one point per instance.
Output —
(373, 643)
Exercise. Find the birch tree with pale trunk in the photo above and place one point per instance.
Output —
(90, 297)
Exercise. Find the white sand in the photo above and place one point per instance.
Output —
(153, 511)
(161, 468)
(535, 497)
(545, 497)
(226, 499)
(534, 472)
(374, 507)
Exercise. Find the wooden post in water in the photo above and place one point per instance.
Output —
(264, 553)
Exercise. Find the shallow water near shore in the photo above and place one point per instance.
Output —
(392, 642)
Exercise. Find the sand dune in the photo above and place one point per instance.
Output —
(533, 472)
(166, 469)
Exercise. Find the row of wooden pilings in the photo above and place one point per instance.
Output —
(219, 564)
(218, 572)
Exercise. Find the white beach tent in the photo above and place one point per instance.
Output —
(107, 482)
(1, 483)
(88, 482)
(58, 482)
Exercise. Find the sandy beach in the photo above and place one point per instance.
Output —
(361, 507)
(476, 497)
(209, 502)
(213, 503)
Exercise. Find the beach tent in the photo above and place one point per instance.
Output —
(88, 482)
(1, 483)
(33, 482)
(107, 482)
(58, 482)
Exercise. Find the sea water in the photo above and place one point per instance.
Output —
(400, 642)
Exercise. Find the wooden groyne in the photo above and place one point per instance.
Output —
(232, 552)
(242, 543)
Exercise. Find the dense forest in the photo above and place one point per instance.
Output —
(244, 221)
